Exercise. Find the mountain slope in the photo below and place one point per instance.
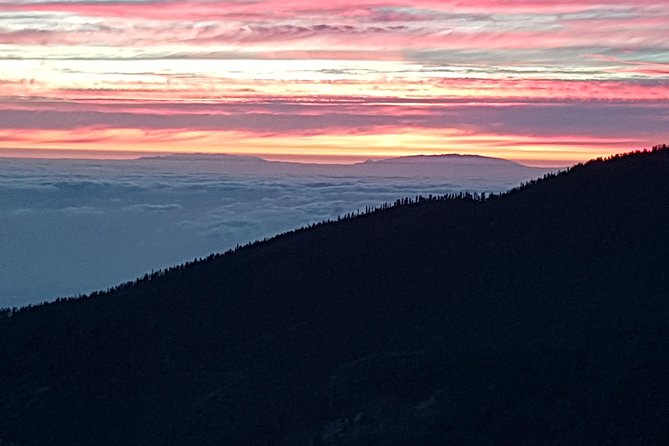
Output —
(538, 317)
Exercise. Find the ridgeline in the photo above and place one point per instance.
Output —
(539, 316)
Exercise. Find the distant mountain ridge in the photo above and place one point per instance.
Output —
(203, 157)
(445, 157)
(471, 169)
(534, 317)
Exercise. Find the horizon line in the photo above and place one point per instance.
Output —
(322, 160)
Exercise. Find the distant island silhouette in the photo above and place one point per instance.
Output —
(448, 166)
(445, 157)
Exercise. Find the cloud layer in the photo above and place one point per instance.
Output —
(75, 226)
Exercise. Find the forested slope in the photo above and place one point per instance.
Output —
(537, 317)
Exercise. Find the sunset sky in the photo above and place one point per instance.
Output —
(541, 82)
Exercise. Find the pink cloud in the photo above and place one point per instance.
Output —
(197, 9)
(514, 73)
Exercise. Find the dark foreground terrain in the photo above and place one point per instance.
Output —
(537, 318)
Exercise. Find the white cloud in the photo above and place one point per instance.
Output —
(69, 227)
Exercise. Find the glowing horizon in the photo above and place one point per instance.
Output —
(538, 82)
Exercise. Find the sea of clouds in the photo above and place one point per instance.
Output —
(74, 226)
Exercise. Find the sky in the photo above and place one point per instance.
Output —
(539, 81)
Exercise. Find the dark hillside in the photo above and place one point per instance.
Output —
(537, 317)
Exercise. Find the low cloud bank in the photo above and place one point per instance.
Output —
(69, 227)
